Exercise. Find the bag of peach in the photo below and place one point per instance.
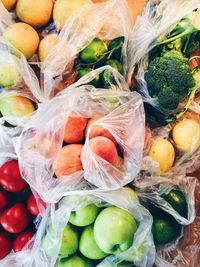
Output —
(172, 205)
(96, 228)
(89, 39)
(83, 131)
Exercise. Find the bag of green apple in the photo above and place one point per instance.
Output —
(115, 230)
(19, 85)
(174, 196)
(40, 144)
(158, 20)
(77, 33)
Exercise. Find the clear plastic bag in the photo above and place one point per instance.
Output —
(59, 216)
(79, 30)
(6, 18)
(153, 189)
(39, 145)
(158, 19)
(187, 150)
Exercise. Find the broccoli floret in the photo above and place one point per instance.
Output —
(169, 79)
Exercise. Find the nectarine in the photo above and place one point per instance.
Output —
(104, 148)
(74, 129)
(98, 130)
(69, 160)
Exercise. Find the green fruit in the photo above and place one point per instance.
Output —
(165, 229)
(83, 72)
(116, 47)
(88, 246)
(84, 216)
(177, 200)
(107, 77)
(9, 70)
(76, 261)
(16, 106)
(131, 193)
(114, 230)
(49, 242)
(69, 243)
(93, 52)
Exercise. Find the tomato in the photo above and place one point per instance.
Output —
(4, 200)
(32, 205)
(22, 239)
(5, 244)
(15, 219)
(10, 177)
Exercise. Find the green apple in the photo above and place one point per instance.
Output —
(16, 106)
(76, 261)
(131, 193)
(88, 246)
(9, 70)
(84, 216)
(114, 230)
(69, 243)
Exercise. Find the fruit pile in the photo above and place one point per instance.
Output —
(18, 209)
(101, 103)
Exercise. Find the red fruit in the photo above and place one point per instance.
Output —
(5, 244)
(10, 177)
(22, 239)
(15, 219)
(4, 200)
(32, 205)
(74, 129)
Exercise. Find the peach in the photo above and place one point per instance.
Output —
(69, 160)
(119, 162)
(74, 129)
(9, 4)
(98, 130)
(104, 148)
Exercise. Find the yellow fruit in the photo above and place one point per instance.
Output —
(63, 9)
(9, 4)
(131, 193)
(186, 135)
(36, 13)
(46, 45)
(162, 152)
(23, 37)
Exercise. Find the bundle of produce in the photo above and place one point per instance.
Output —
(88, 40)
(20, 210)
(83, 132)
(172, 204)
(163, 50)
(104, 229)
(175, 148)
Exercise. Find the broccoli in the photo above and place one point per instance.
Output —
(169, 79)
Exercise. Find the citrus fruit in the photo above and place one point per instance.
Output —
(83, 72)
(9, 4)
(116, 47)
(46, 45)
(23, 37)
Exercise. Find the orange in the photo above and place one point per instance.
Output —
(9, 4)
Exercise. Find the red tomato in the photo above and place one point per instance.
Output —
(15, 219)
(4, 200)
(5, 244)
(10, 177)
(32, 205)
(22, 239)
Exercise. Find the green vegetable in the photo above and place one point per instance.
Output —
(169, 79)
(116, 47)
(83, 72)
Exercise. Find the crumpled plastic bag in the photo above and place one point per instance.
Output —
(141, 253)
(79, 30)
(39, 144)
(158, 19)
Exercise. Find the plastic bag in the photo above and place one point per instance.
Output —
(59, 216)
(158, 19)
(153, 189)
(79, 30)
(184, 136)
(39, 145)
(18, 80)
(6, 18)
